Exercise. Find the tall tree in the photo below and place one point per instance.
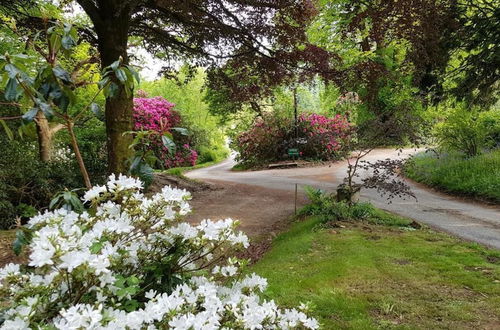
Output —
(205, 32)
(477, 76)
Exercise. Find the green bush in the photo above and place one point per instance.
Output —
(328, 209)
(213, 154)
(28, 185)
(469, 131)
(26, 181)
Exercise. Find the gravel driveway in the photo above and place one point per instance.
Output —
(471, 221)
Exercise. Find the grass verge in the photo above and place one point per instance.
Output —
(477, 177)
(362, 275)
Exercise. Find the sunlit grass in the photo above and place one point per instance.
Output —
(478, 176)
(367, 276)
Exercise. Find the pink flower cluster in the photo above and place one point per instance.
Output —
(319, 137)
(323, 132)
(157, 114)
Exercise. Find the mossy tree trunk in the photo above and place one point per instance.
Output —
(112, 31)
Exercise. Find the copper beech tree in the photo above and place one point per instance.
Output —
(266, 34)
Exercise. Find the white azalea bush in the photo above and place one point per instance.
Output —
(130, 263)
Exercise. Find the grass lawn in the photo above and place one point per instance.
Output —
(366, 276)
(478, 176)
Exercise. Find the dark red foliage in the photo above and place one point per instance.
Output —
(428, 26)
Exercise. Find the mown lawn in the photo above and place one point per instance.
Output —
(477, 176)
(366, 276)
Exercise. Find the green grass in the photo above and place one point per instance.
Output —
(367, 276)
(477, 177)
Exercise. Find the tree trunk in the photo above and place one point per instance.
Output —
(112, 32)
(44, 137)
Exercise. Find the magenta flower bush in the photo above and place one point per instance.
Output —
(158, 115)
(323, 138)
(319, 138)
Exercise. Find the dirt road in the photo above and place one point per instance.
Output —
(469, 220)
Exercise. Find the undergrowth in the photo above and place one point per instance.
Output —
(477, 176)
(328, 209)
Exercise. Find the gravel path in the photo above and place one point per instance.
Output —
(469, 220)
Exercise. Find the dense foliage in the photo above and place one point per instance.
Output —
(315, 136)
(187, 92)
(27, 184)
(157, 115)
(130, 263)
(469, 131)
(329, 210)
(477, 176)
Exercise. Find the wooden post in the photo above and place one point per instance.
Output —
(296, 199)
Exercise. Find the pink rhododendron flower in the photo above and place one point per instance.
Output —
(157, 114)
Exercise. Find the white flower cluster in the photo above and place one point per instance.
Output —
(129, 263)
(62, 155)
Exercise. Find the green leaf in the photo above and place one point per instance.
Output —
(55, 42)
(121, 75)
(115, 65)
(12, 70)
(21, 56)
(96, 247)
(54, 202)
(132, 280)
(103, 82)
(23, 238)
(181, 130)
(131, 305)
(97, 111)
(7, 130)
(134, 73)
(11, 92)
(62, 74)
(111, 90)
(168, 143)
(30, 115)
(46, 109)
(135, 163)
(68, 42)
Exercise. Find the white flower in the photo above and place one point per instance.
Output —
(184, 230)
(122, 182)
(42, 253)
(80, 316)
(73, 259)
(15, 324)
(94, 193)
(9, 270)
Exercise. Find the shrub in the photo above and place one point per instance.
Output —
(269, 138)
(157, 114)
(26, 181)
(130, 264)
(469, 131)
(28, 184)
(328, 209)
